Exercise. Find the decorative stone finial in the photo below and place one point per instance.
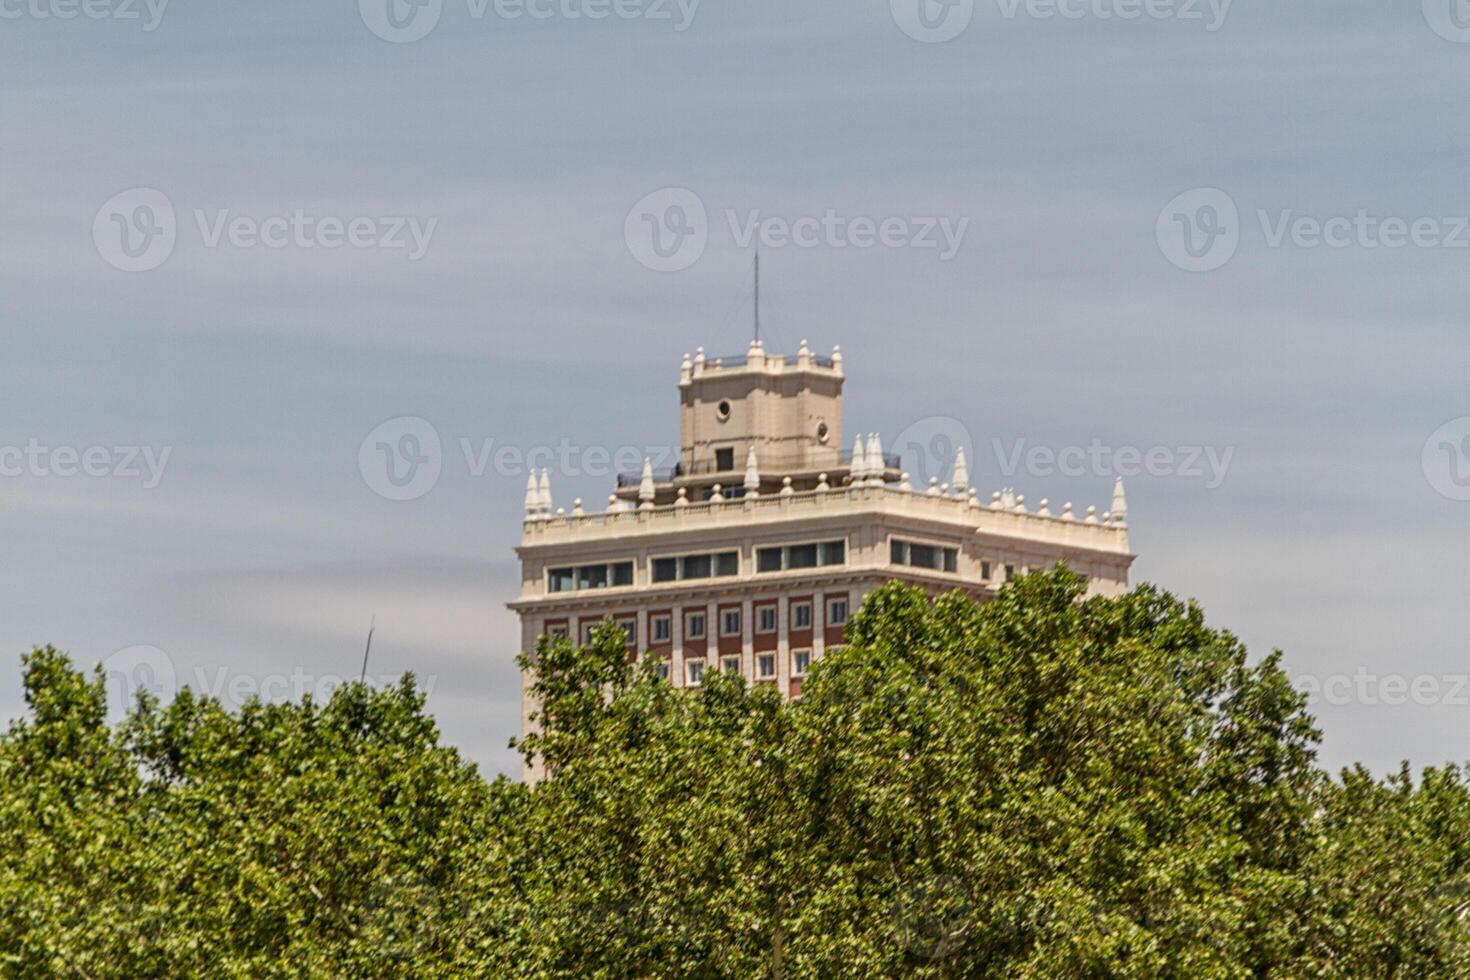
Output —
(961, 471)
(904, 484)
(933, 486)
(822, 483)
(1044, 510)
(577, 510)
(544, 491)
(717, 497)
(1091, 516)
(859, 467)
(752, 475)
(533, 496)
(1067, 514)
(997, 501)
(974, 497)
(1021, 504)
(786, 490)
(614, 505)
(876, 466)
(646, 489)
(1120, 504)
(683, 499)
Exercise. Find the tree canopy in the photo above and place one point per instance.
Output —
(1038, 786)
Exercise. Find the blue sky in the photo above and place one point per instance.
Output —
(263, 553)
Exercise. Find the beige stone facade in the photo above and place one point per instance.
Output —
(754, 551)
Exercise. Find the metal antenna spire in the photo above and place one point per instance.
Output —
(371, 626)
(757, 296)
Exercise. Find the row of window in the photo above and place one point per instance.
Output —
(718, 565)
(695, 626)
(582, 577)
(917, 555)
(765, 666)
(785, 558)
(680, 568)
(777, 558)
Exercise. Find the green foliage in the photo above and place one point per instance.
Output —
(1040, 786)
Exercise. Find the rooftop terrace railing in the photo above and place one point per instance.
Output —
(779, 465)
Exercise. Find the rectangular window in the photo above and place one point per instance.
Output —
(765, 619)
(801, 556)
(725, 459)
(801, 662)
(589, 577)
(985, 570)
(694, 626)
(662, 669)
(765, 666)
(722, 564)
(630, 626)
(587, 632)
(1010, 572)
(730, 665)
(798, 556)
(730, 622)
(801, 615)
(663, 628)
(694, 672)
(930, 556)
(836, 612)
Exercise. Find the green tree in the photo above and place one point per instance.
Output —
(1044, 785)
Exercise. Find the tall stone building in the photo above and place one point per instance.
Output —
(751, 555)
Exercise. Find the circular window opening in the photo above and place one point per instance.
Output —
(822, 433)
(724, 410)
